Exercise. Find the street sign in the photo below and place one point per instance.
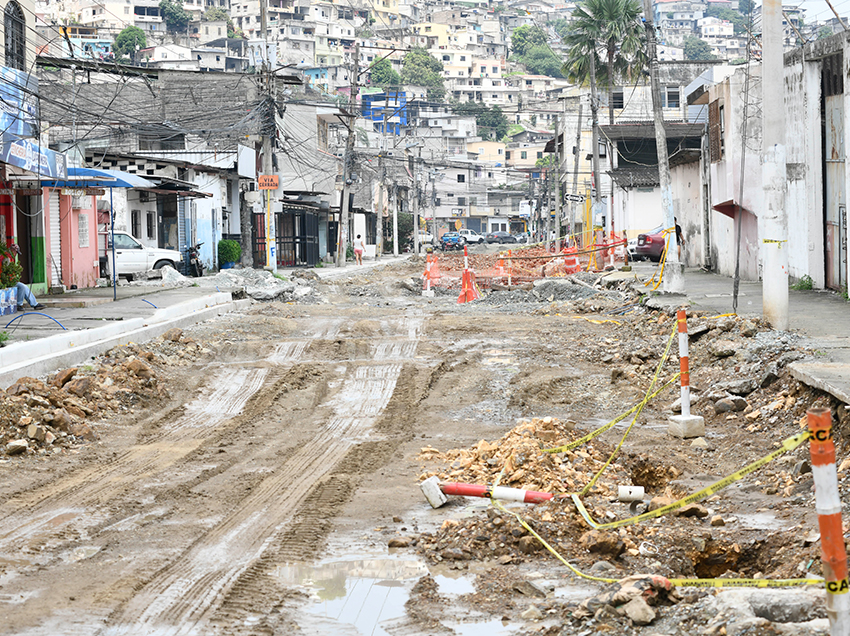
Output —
(458, 225)
(268, 181)
(576, 198)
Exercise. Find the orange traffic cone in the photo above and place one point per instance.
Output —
(469, 290)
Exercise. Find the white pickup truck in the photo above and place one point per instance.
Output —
(132, 257)
(471, 236)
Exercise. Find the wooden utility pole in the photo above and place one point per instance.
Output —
(773, 221)
(348, 158)
(674, 279)
(577, 153)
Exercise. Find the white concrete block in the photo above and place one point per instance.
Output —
(431, 489)
(686, 426)
(428, 293)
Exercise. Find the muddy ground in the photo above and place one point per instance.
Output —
(249, 475)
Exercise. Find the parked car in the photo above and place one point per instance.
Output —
(631, 247)
(426, 238)
(651, 244)
(521, 237)
(131, 257)
(471, 236)
(500, 237)
(452, 241)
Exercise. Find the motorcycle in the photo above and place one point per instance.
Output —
(196, 267)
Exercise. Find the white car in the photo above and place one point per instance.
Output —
(471, 236)
(426, 238)
(132, 257)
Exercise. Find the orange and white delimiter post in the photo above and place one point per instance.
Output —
(685, 425)
(828, 505)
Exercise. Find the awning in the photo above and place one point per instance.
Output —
(729, 208)
(192, 194)
(97, 178)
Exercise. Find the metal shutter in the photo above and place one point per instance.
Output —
(55, 263)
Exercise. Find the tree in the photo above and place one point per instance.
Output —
(175, 16)
(382, 73)
(526, 37)
(824, 32)
(540, 60)
(217, 14)
(420, 68)
(613, 33)
(739, 22)
(696, 49)
(492, 122)
(746, 6)
(126, 42)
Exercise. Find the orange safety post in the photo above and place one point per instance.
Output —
(510, 268)
(469, 290)
(828, 506)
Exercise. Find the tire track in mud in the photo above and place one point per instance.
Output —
(185, 596)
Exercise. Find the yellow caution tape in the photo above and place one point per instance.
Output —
(788, 444)
(599, 322)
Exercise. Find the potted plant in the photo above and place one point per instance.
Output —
(228, 253)
(10, 274)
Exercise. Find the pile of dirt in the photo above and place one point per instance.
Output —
(518, 459)
(40, 417)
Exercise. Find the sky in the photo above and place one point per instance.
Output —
(818, 10)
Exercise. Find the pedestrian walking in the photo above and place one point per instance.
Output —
(359, 248)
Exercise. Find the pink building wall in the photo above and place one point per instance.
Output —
(79, 264)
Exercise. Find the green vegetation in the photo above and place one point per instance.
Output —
(383, 74)
(612, 34)
(176, 17)
(738, 20)
(492, 122)
(824, 32)
(696, 49)
(10, 271)
(529, 47)
(4, 338)
(804, 283)
(420, 68)
(126, 42)
(526, 37)
(229, 251)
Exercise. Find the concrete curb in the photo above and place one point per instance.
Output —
(69, 348)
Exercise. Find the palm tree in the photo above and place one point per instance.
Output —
(611, 35)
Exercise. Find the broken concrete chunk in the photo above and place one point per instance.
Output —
(17, 446)
(732, 403)
(692, 510)
(36, 432)
(532, 614)
(723, 349)
(139, 369)
(173, 334)
(638, 611)
(748, 329)
(79, 386)
(399, 542)
(63, 377)
(717, 520)
(603, 542)
(770, 375)
(530, 588)
(741, 387)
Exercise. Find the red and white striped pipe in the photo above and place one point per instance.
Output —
(465, 257)
(510, 268)
(427, 283)
(828, 505)
(497, 492)
(684, 365)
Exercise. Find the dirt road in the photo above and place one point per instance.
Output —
(260, 496)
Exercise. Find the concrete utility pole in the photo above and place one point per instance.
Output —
(268, 165)
(594, 111)
(774, 239)
(379, 249)
(395, 220)
(558, 146)
(348, 158)
(574, 202)
(414, 202)
(674, 278)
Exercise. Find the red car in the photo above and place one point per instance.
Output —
(651, 244)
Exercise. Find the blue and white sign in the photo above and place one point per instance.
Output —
(31, 157)
(18, 104)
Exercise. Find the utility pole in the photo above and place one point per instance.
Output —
(379, 249)
(268, 166)
(674, 279)
(594, 111)
(577, 153)
(414, 202)
(395, 220)
(558, 152)
(774, 238)
(345, 203)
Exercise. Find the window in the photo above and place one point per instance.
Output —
(473, 200)
(483, 69)
(461, 200)
(135, 222)
(14, 27)
(495, 69)
(151, 225)
(672, 96)
(539, 155)
(500, 151)
(523, 155)
(507, 154)
(463, 58)
(83, 229)
(446, 58)
(461, 178)
(618, 101)
(206, 30)
(480, 150)
(126, 10)
(450, 194)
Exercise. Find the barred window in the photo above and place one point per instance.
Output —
(14, 26)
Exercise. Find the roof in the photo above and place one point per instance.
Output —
(646, 130)
(636, 176)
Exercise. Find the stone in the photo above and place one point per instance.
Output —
(36, 432)
(75, 410)
(638, 611)
(17, 446)
(38, 401)
(49, 438)
(453, 554)
(696, 331)
(748, 329)
(529, 545)
(139, 369)
(617, 373)
(602, 568)
(699, 442)
(83, 431)
(530, 588)
(80, 386)
(62, 420)
(692, 510)
(731, 403)
(399, 542)
(63, 377)
(659, 502)
(532, 614)
(741, 387)
(770, 375)
(717, 521)
(25, 421)
(686, 426)
(801, 468)
(602, 542)
(723, 349)
(173, 334)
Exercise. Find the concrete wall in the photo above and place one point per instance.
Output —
(688, 210)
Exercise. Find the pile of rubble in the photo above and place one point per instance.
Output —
(41, 417)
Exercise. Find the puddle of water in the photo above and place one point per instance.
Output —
(574, 592)
(495, 627)
(83, 552)
(760, 521)
(455, 586)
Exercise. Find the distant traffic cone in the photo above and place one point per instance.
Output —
(469, 290)
(426, 282)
